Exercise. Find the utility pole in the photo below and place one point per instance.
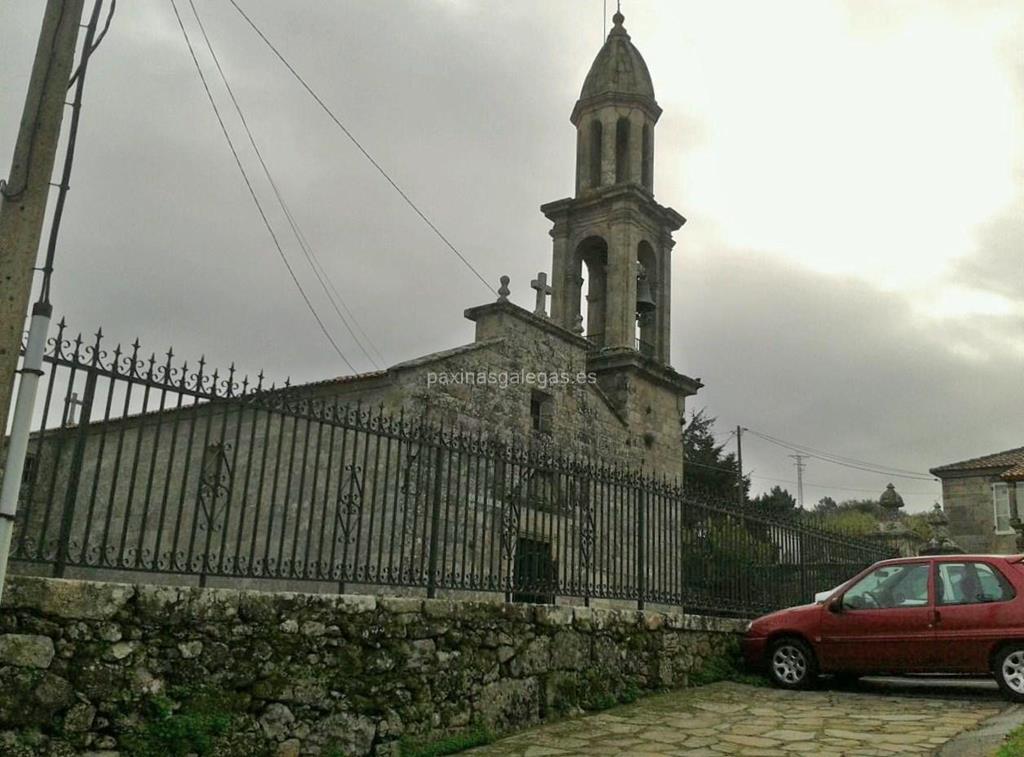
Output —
(740, 494)
(23, 196)
(800, 465)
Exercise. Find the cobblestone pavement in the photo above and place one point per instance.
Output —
(728, 718)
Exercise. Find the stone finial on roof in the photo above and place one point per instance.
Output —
(503, 290)
(577, 324)
(890, 501)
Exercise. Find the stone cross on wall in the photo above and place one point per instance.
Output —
(543, 290)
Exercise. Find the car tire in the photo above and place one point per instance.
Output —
(1009, 671)
(791, 664)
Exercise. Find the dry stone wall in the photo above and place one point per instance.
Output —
(105, 669)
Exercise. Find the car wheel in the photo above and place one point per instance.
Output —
(791, 664)
(1009, 671)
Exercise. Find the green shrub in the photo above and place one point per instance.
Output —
(477, 736)
(1014, 744)
(727, 666)
(172, 730)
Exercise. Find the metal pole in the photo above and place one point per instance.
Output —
(17, 445)
(800, 465)
(24, 195)
(435, 519)
(641, 545)
(740, 494)
(74, 477)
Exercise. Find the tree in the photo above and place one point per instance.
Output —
(825, 506)
(705, 467)
(777, 502)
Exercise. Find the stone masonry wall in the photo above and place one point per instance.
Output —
(130, 669)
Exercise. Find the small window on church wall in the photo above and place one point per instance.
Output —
(647, 159)
(622, 150)
(595, 153)
(541, 411)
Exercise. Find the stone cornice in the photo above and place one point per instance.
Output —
(615, 99)
(619, 358)
(559, 210)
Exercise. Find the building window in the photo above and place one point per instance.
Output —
(1001, 508)
(541, 411)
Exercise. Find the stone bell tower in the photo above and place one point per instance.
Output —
(613, 232)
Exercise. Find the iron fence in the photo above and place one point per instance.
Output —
(140, 464)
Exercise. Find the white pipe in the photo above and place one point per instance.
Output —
(17, 444)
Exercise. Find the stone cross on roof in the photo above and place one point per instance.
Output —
(543, 290)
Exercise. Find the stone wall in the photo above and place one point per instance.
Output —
(115, 668)
(967, 501)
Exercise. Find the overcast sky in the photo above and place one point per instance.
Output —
(851, 275)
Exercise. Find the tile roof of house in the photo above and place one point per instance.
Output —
(1015, 474)
(1011, 458)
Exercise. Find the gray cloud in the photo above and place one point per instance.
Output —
(467, 105)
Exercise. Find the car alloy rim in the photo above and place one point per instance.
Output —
(1013, 671)
(790, 664)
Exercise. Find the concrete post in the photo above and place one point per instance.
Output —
(24, 195)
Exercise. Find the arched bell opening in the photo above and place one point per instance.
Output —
(592, 262)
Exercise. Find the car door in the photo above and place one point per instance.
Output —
(881, 623)
(973, 609)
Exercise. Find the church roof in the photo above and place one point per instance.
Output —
(618, 68)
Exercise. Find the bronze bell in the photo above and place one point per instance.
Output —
(644, 299)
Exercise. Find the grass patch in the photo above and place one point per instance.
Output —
(1014, 744)
(727, 666)
(478, 736)
(192, 727)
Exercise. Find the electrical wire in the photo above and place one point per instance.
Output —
(362, 149)
(844, 461)
(252, 192)
(790, 481)
(854, 460)
(88, 48)
(96, 43)
(311, 258)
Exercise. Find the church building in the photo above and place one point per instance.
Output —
(567, 415)
(610, 314)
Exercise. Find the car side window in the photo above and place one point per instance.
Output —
(890, 587)
(967, 583)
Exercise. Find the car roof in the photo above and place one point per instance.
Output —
(951, 558)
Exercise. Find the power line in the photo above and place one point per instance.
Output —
(252, 192)
(852, 460)
(362, 149)
(310, 255)
(844, 461)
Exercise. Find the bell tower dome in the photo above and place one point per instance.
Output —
(615, 117)
(612, 241)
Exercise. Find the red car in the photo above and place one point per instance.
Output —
(960, 614)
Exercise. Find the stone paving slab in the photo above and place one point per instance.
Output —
(733, 719)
